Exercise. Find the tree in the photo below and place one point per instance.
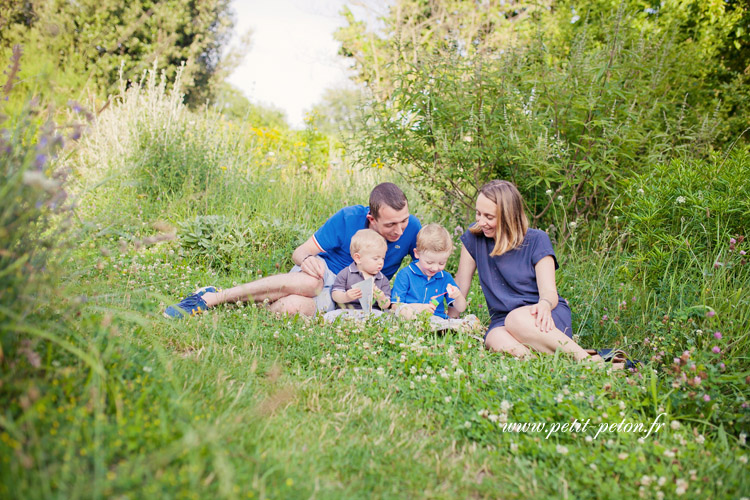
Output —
(98, 39)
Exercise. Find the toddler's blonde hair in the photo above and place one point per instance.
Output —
(434, 238)
(366, 239)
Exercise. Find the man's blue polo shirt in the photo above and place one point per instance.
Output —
(336, 234)
(412, 287)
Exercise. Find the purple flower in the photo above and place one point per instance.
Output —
(717, 335)
(706, 398)
(732, 241)
(41, 159)
(722, 366)
(605, 317)
(710, 314)
(716, 349)
(676, 361)
(742, 252)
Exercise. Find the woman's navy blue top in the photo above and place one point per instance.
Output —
(509, 280)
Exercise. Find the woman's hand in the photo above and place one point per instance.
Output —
(542, 311)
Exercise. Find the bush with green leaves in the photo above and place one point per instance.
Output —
(32, 195)
(679, 218)
(574, 124)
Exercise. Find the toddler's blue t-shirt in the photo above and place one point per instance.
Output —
(411, 286)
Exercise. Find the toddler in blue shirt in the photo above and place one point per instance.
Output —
(424, 285)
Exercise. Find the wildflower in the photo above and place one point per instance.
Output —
(605, 317)
(548, 192)
(458, 231)
(448, 399)
(675, 424)
(743, 438)
(572, 224)
(716, 349)
(680, 199)
(645, 480)
(560, 198)
(682, 487)
(717, 335)
(467, 424)
(622, 456)
(732, 241)
(711, 313)
(743, 459)
(669, 453)
(575, 19)
(513, 446)
(641, 191)
(468, 138)
(562, 450)
(706, 398)
(700, 439)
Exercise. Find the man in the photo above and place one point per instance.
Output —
(307, 287)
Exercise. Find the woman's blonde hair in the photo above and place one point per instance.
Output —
(512, 222)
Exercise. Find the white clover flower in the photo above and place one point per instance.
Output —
(588, 439)
(448, 399)
(682, 487)
(493, 418)
(622, 456)
(147, 369)
(513, 446)
(562, 450)
(743, 459)
(662, 481)
(680, 199)
(572, 224)
(504, 405)
(559, 198)
(675, 424)
(743, 438)
(645, 480)
(467, 424)
(468, 138)
(548, 192)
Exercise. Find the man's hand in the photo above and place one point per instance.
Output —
(313, 265)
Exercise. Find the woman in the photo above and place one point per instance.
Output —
(516, 267)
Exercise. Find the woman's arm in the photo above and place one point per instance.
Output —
(545, 280)
(464, 275)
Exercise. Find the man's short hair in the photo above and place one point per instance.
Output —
(366, 239)
(434, 238)
(388, 194)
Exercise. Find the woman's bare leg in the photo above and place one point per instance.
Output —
(500, 340)
(521, 325)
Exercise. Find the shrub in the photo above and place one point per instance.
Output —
(575, 124)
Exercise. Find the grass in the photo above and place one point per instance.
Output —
(105, 398)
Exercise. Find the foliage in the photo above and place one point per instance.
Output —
(32, 194)
(92, 40)
(230, 102)
(576, 128)
(682, 214)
